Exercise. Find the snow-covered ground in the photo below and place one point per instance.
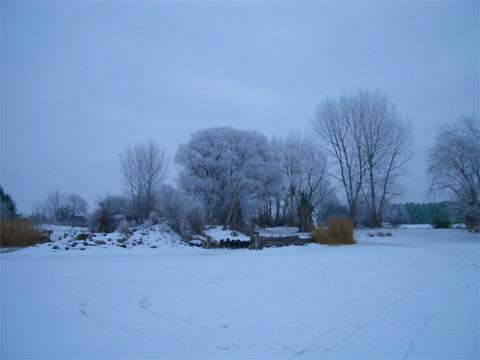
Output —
(416, 226)
(217, 234)
(282, 231)
(76, 238)
(415, 294)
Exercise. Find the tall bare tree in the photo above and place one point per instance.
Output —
(338, 125)
(386, 144)
(143, 167)
(369, 143)
(454, 166)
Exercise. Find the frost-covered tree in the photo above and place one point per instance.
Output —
(270, 187)
(454, 166)
(182, 212)
(304, 169)
(225, 169)
(143, 168)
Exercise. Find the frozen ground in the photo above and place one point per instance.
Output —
(412, 295)
(218, 234)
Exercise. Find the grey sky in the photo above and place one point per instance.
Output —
(81, 81)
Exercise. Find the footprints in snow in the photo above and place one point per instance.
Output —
(146, 306)
(414, 342)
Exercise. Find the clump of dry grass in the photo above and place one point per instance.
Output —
(18, 233)
(321, 236)
(339, 232)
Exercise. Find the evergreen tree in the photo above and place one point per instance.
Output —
(7, 205)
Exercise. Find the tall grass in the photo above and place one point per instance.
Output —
(339, 232)
(18, 233)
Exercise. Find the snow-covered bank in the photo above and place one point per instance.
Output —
(77, 238)
(414, 294)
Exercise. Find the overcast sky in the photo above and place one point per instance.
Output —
(81, 81)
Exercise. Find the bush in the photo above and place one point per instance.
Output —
(18, 233)
(441, 224)
(321, 236)
(339, 232)
(110, 211)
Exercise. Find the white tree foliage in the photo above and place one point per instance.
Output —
(227, 170)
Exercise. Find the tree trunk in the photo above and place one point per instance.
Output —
(234, 218)
(305, 212)
(373, 198)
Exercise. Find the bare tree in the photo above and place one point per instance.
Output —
(77, 206)
(62, 207)
(143, 167)
(53, 206)
(338, 126)
(108, 213)
(454, 166)
(305, 170)
(370, 145)
(386, 145)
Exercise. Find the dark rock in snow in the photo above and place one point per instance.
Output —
(100, 242)
(46, 235)
(82, 236)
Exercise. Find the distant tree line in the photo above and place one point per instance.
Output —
(349, 164)
(439, 213)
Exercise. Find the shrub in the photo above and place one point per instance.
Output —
(321, 236)
(441, 223)
(110, 211)
(18, 233)
(339, 232)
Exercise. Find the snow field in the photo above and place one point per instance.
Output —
(415, 294)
